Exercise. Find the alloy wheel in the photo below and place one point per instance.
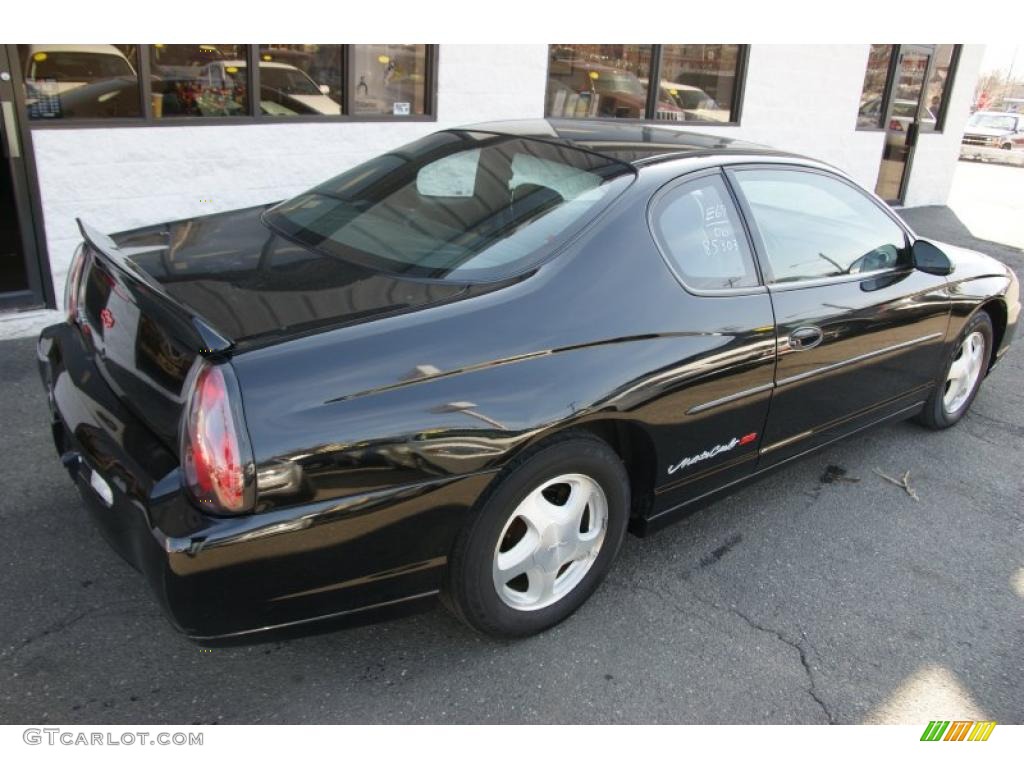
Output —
(964, 372)
(550, 542)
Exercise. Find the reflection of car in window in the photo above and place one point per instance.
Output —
(695, 102)
(602, 91)
(284, 88)
(115, 97)
(53, 70)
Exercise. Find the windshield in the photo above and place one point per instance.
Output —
(456, 205)
(999, 122)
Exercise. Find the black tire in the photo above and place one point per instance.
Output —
(471, 593)
(1007, 147)
(934, 414)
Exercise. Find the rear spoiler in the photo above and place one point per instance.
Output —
(194, 330)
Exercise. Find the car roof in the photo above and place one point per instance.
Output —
(633, 142)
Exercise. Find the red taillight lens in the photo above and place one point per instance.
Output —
(73, 286)
(215, 453)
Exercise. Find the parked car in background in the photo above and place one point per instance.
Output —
(695, 102)
(56, 74)
(998, 130)
(466, 367)
(55, 69)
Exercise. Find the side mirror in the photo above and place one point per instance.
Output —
(928, 258)
(325, 89)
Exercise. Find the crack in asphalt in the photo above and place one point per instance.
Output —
(995, 423)
(811, 689)
(62, 625)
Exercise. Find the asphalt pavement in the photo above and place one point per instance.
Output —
(825, 593)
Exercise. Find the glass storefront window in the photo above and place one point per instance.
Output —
(80, 81)
(937, 88)
(699, 81)
(199, 80)
(598, 80)
(390, 79)
(696, 82)
(299, 79)
(869, 115)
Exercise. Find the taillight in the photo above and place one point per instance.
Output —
(215, 452)
(72, 288)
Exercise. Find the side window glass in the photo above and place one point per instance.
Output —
(699, 231)
(815, 226)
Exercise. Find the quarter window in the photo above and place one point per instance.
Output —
(815, 226)
(698, 228)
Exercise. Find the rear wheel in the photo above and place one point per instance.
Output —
(545, 536)
(963, 375)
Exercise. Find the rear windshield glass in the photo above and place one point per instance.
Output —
(456, 205)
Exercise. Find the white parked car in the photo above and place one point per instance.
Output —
(54, 69)
(998, 130)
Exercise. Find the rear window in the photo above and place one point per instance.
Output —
(456, 205)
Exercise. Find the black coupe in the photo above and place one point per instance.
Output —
(465, 368)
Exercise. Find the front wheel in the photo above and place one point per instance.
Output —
(544, 537)
(951, 399)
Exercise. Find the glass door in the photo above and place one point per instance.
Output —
(21, 279)
(902, 121)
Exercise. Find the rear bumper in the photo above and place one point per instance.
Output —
(345, 559)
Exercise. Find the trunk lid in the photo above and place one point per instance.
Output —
(153, 299)
(250, 283)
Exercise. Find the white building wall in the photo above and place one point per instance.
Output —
(800, 98)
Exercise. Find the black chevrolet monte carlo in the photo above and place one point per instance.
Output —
(465, 368)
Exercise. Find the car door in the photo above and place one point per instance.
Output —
(708, 431)
(859, 331)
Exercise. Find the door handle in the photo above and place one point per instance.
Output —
(10, 130)
(805, 338)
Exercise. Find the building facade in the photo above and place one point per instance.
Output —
(127, 135)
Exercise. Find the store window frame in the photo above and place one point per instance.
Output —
(651, 107)
(890, 75)
(253, 115)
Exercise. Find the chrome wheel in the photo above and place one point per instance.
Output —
(550, 542)
(964, 372)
